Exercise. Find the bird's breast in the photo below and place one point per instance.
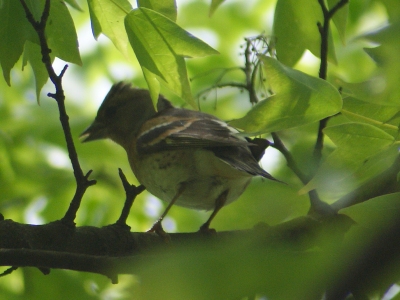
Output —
(203, 176)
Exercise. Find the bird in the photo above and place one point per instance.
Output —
(184, 157)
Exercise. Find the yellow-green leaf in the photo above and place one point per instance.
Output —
(165, 7)
(363, 151)
(160, 46)
(295, 29)
(107, 17)
(298, 99)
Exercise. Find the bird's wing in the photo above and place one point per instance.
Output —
(241, 159)
(181, 129)
(175, 128)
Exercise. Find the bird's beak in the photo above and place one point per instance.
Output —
(96, 131)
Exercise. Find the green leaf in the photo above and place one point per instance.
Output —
(14, 30)
(362, 139)
(392, 9)
(384, 117)
(61, 33)
(365, 214)
(299, 99)
(153, 83)
(363, 151)
(340, 18)
(33, 54)
(160, 46)
(386, 57)
(372, 90)
(107, 17)
(74, 4)
(214, 5)
(295, 29)
(165, 7)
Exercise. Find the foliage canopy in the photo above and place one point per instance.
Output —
(319, 79)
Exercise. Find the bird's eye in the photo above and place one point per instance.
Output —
(110, 111)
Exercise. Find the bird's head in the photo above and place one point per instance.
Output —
(120, 116)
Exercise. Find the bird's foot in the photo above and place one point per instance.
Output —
(205, 229)
(159, 230)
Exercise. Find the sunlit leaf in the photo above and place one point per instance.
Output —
(165, 7)
(298, 99)
(392, 9)
(74, 4)
(160, 46)
(295, 33)
(385, 117)
(61, 33)
(107, 17)
(14, 30)
(214, 5)
(33, 55)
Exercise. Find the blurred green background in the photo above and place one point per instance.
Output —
(36, 180)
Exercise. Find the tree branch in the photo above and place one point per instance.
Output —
(113, 249)
(131, 192)
(291, 163)
(82, 181)
(316, 203)
(324, 32)
(249, 70)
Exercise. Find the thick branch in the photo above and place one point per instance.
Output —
(56, 245)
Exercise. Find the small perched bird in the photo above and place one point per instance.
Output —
(183, 157)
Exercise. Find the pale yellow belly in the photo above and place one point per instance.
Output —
(203, 176)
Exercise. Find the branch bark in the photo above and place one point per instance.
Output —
(82, 180)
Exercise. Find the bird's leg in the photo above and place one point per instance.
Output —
(219, 203)
(157, 227)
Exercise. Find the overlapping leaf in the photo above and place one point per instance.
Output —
(363, 151)
(107, 17)
(295, 33)
(385, 117)
(33, 56)
(340, 18)
(15, 31)
(160, 46)
(165, 7)
(299, 99)
(214, 5)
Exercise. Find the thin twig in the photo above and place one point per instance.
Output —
(317, 206)
(8, 271)
(291, 163)
(324, 32)
(131, 191)
(249, 71)
(82, 180)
